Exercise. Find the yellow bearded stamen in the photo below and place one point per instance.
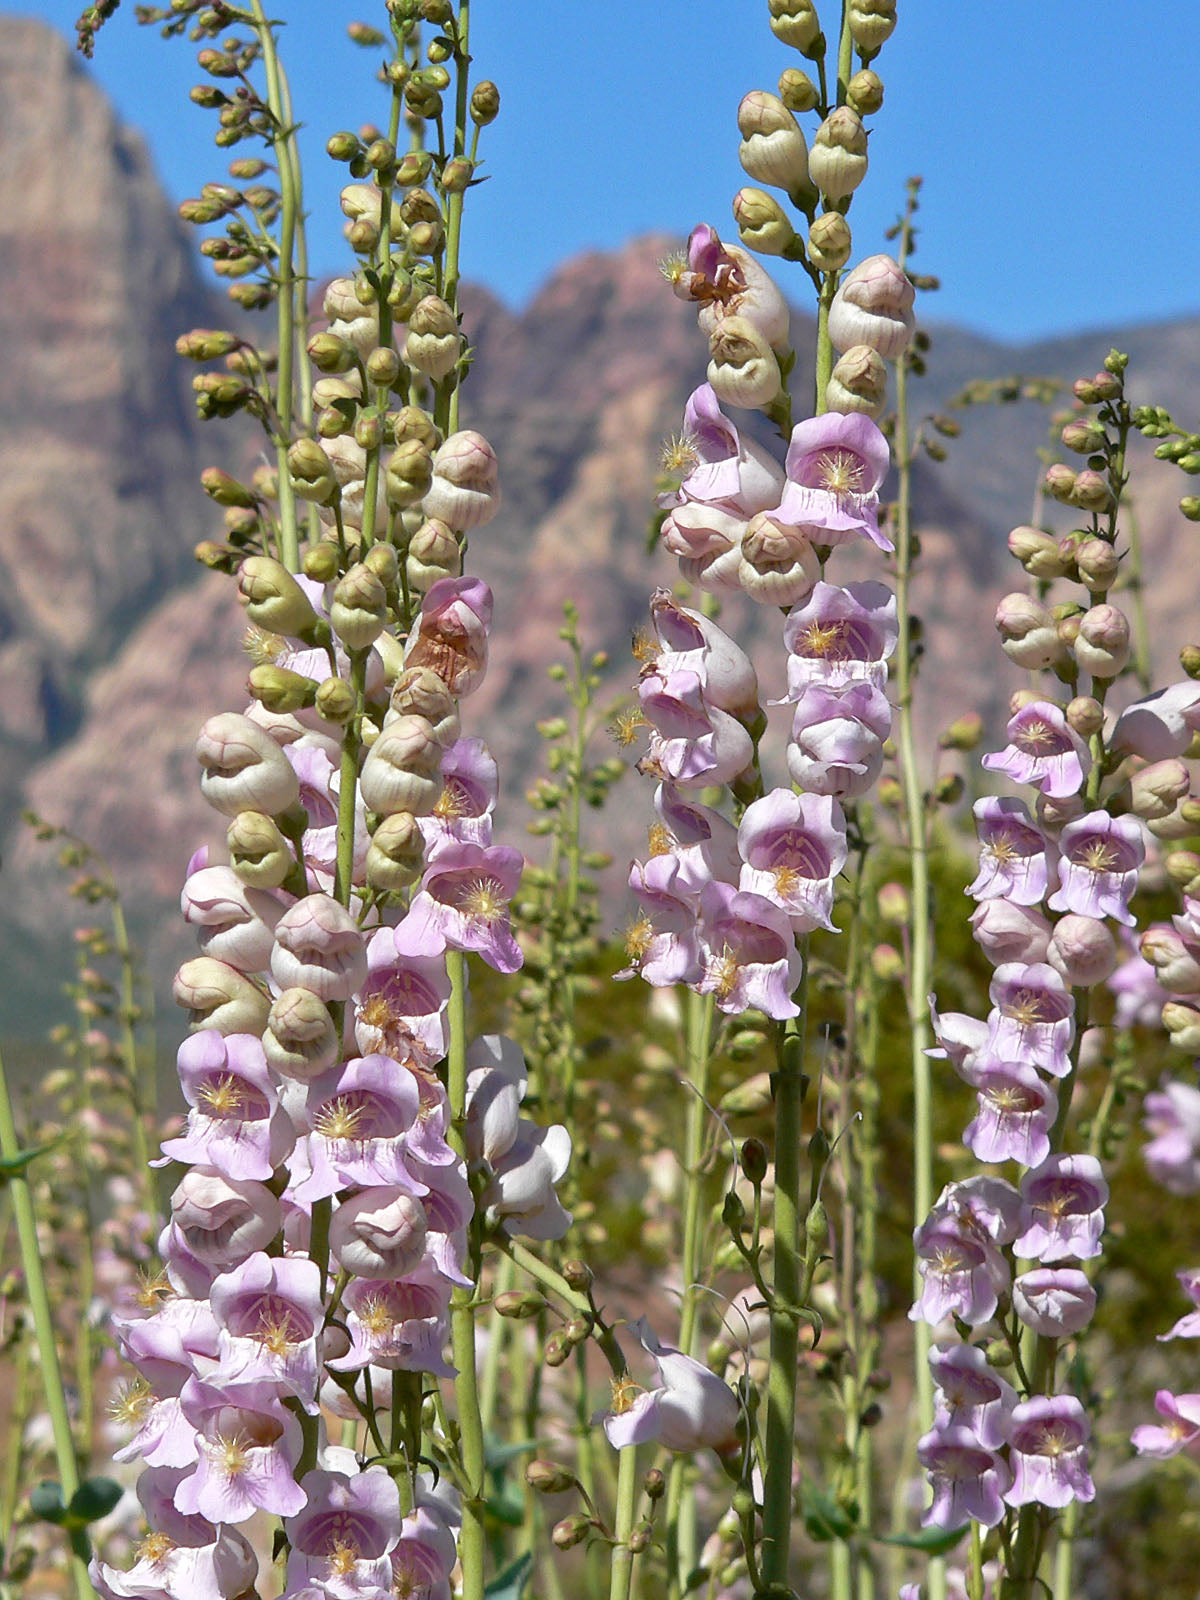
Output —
(153, 1287)
(1011, 1098)
(1036, 735)
(338, 1120)
(624, 726)
(154, 1549)
(232, 1455)
(1098, 857)
(674, 266)
(375, 1315)
(1057, 1442)
(947, 1258)
(659, 836)
(840, 472)
(263, 648)
(484, 900)
(637, 938)
(787, 881)
(624, 1392)
(723, 972)
(130, 1405)
(343, 1558)
(680, 455)
(224, 1097)
(1060, 1200)
(1026, 1008)
(824, 639)
(1002, 847)
(642, 646)
(454, 801)
(275, 1333)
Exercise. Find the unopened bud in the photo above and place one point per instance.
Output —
(321, 562)
(874, 306)
(396, 855)
(258, 851)
(1182, 1023)
(485, 103)
(408, 474)
(433, 553)
(762, 223)
(273, 598)
(1091, 491)
(1027, 631)
(1190, 506)
(773, 148)
(964, 733)
(948, 790)
(1082, 950)
(754, 1161)
(654, 1484)
(1037, 552)
(894, 903)
(570, 1531)
(1083, 438)
(858, 382)
(1189, 660)
(434, 342)
(1102, 644)
(865, 92)
(871, 23)
(557, 1350)
(547, 1477)
(1097, 564)
(578, 1274)
(1059, 482)
(206, 344)
(521, 1305)
(336, 701)
(281, 690)
(797, 90)
(1085, 716)
(456, 175)
(887, 963)
(837, 162)
(795, 22)
(410, 422)
(383, 365)
(343, 146)
(358, 611)
(829, 242)
(311, 473)
(742, 368)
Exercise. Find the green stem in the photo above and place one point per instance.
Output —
(789, 1087)
(681, 1502)
(472, 1546)
(348, 784)
(289, 535)
(622, 1558)
(454, 207)
(43, 1328)
(142, 1086)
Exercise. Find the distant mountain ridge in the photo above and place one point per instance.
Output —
(114, 647)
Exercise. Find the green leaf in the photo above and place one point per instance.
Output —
(93, 1499)
(507, 1508)
(498, 1453)
(509, 1583)
(933, 1541)
(14, 1166)
(824, 1517)
(46, 1502)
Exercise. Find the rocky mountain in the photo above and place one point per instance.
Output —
(113, 650)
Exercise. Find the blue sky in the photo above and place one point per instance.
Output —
(1058, 141)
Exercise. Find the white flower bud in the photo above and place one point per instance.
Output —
(1007, 932)
(773, 148)
(396, 856)
(319, 946)
(419, 692)
(1182, 1022)
(742, 368)
(837, 162)
(358, 611)
(873, 305)
(379, 1233)
(434, 343)
(795, 22)
(871, 23)
(464, 491)
(1156, 790)
(273, 598)
(858, 382)
(1097, 563)
(829, 242)
(778, 566)
(408, 475)
(1082, 951)
(300, 1041)
(433, 553)
(243, 768)
(1102, 644)
(220, 997)
(258, 851)
(1037, 552)
(1176, 963)
(1028, 633)
(402, 771)
(237, 924)
(223, 1220)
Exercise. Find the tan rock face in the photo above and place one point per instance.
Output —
(113, 651)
